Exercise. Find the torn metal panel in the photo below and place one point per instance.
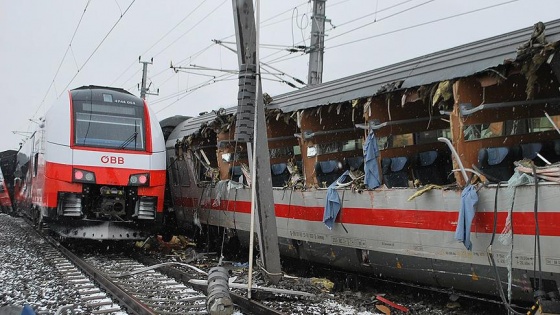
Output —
(461, 61)
(194, 124)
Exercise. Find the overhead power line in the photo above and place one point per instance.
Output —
(198, 53)
(159, 40)
(288, 57)
(185, 33)
(381, 19)
(421, 24)
(369, 14)
(62, 60)
(96, 48)
(298, 48)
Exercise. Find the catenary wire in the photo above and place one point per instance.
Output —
(159, 40)
(62, 60)
(185, 33)
(203, 50)
(288, 57)
(99, 45)
(421, 24)
(351, 21)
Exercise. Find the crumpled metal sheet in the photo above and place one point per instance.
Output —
(461, 61)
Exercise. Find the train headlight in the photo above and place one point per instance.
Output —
(139, 179)
(82, 176)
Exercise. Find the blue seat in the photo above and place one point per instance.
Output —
(354, 163)
(279, 174)
(433, 167)
(395, 171)
(497, 162)
(550, 151)
(235, 173)
(328, 171)
(530, 150)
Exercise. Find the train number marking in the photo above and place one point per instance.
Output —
(107, 159)
(552, 261)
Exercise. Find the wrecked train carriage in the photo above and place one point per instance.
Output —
(361, 181)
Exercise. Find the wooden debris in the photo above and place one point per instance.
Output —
(424, 189)
(384, 309)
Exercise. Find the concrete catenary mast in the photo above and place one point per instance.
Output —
(317, 47)
(251, 117)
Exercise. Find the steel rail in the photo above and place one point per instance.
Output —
(248, 305)
(131, 304)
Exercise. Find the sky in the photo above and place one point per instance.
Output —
(50, 47)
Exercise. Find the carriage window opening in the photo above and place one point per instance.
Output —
(203, 170)
(281, 152)
(509, 127)
(339, 146)
(540, 124)
(173, 168)
(395, 141)
(431, 136)
(182, 173)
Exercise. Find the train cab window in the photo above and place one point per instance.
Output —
(109, 126)
(35, 164)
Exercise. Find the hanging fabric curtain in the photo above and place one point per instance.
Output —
(371, 166)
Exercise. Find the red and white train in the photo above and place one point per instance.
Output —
(5, 200)
(95, 167)
(414, 217)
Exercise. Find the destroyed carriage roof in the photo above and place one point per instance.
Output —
(452, 63)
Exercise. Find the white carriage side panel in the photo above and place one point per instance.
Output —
(57, 132)
(158, 142)
(157, 161)
(58, 123)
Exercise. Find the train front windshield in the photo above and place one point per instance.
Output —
(114, 126)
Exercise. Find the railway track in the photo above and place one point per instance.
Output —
(104, 290)
(93, 274)
(164, 291)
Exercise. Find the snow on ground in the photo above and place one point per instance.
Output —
(26, 277)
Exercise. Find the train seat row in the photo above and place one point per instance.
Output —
(428, 167)
(498, 162)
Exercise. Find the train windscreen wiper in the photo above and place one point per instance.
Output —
(132, 137)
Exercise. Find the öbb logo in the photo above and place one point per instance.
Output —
(106, 159)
